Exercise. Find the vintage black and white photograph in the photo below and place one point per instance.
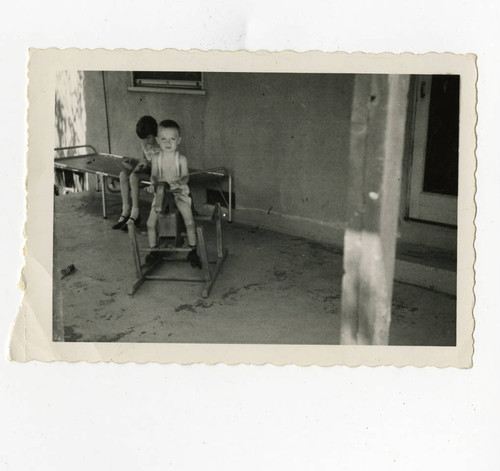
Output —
(259, 207)
(250, 235)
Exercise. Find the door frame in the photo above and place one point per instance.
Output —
(425, 206)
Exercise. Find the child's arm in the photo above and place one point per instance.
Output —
(155, 171)
(142, 164)
(184, 170)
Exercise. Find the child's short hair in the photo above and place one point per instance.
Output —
(170, 123)
(146, 126)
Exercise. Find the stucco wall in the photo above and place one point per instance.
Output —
(285, 138)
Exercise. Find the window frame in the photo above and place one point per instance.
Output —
(170, 86)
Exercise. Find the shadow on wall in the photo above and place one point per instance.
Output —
(70, 126)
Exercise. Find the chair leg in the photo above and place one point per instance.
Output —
(209, 276)
(143, 276)
(218, 230)
(203, 253)
(204, 261)
(103, 196)
(135, 248)
(230, 208)
(215, 272)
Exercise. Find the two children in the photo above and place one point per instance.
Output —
(169, 171)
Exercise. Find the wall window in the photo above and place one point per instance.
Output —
(167, 82)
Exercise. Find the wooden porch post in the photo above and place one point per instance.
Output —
(375, 159)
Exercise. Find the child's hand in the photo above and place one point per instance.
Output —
(127, 164)
(150, 189)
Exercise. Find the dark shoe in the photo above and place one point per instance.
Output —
(121, 222)
(135, 221)
(194, 260)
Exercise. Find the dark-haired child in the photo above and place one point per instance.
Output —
(171, 168)
(136, 169)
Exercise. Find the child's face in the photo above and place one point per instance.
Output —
(168, 139)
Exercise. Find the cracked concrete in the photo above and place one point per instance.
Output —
(273, 288)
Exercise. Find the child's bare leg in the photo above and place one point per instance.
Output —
(187, 215)
(152, 236)
(134, 192)
(124, 190)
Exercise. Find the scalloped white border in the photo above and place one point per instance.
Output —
(32, 332)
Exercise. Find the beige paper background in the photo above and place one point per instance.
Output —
(31, 338)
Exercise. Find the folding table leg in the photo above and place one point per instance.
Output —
(103, 195)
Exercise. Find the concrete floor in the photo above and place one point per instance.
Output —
(273, 288)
